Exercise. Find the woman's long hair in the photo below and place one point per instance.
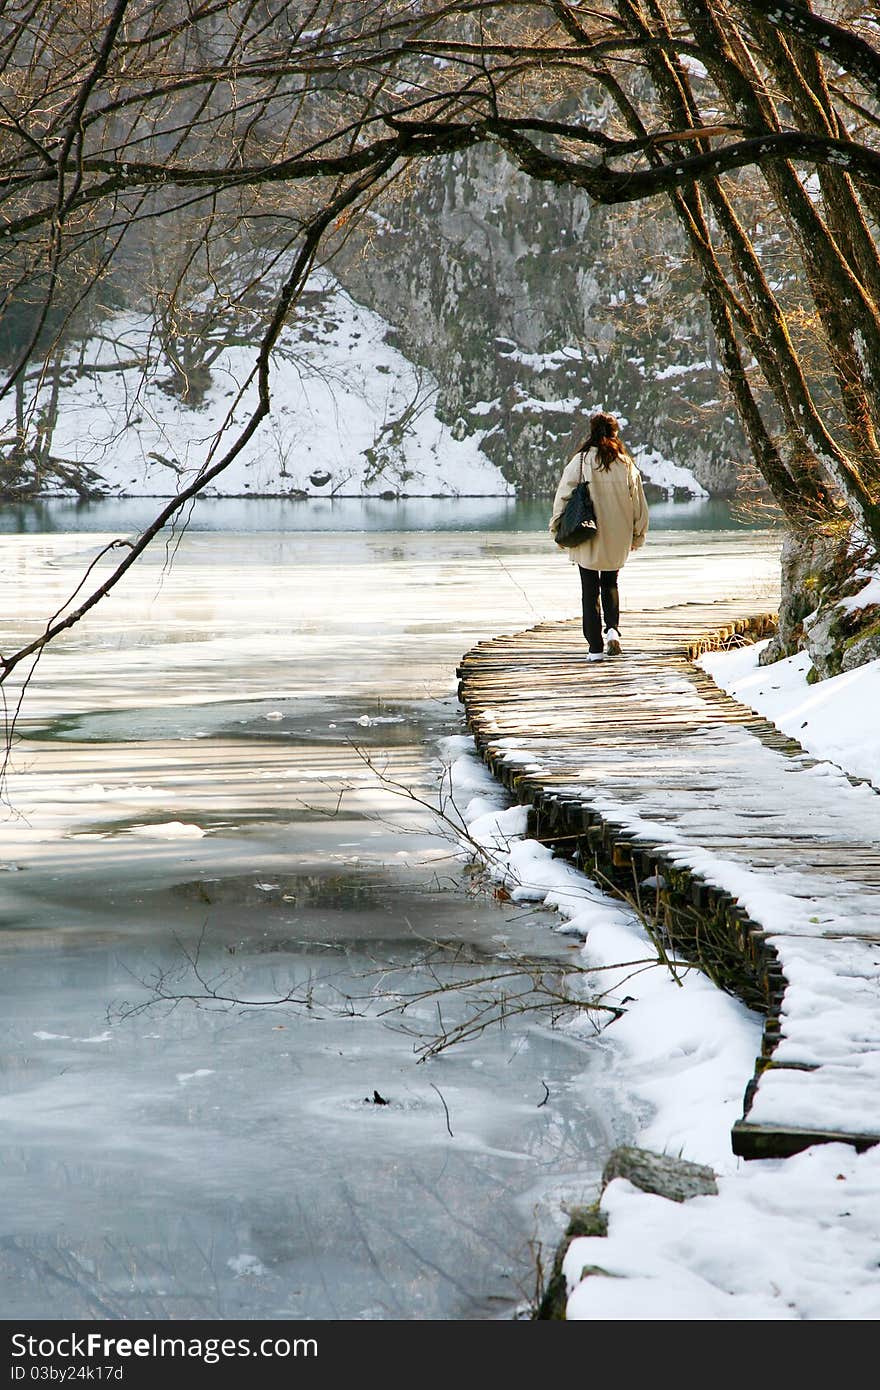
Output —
(604, 437)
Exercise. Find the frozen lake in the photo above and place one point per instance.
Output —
(192, 803)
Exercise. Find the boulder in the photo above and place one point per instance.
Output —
(674, 1178)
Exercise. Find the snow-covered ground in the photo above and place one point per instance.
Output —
(834, 719)
(789, 1239)
(350, 416)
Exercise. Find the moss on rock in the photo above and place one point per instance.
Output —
(583, 1221)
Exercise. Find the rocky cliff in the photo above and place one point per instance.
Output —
(533, 306)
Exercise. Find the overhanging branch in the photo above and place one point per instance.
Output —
(419, 140)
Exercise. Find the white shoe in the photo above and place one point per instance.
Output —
(612, 642)
(595, 656)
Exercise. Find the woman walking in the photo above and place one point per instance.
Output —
(621, 526)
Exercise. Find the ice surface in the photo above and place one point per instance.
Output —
(214, 1162)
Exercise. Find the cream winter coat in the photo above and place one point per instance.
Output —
(620, 506)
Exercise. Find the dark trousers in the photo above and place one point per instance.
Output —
(596, 584)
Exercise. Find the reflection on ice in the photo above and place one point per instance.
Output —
(250, 1132)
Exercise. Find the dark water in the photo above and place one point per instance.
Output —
(350, 514)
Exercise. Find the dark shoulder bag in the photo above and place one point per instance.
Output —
(578, 522)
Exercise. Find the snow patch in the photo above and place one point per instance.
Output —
(662, 473)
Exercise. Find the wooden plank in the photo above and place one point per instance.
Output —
(777, 1141)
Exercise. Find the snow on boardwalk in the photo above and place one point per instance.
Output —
(684, 777)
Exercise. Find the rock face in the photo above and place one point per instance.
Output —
(533, 307)
(818, 572)
(862, 650)
(805, 560)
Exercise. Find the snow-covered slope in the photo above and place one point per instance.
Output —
(350, 415)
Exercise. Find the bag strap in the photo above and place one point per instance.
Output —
(585, 479)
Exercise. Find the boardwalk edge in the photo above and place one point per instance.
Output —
(701, 920)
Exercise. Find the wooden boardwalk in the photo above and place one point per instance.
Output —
(770, 860)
